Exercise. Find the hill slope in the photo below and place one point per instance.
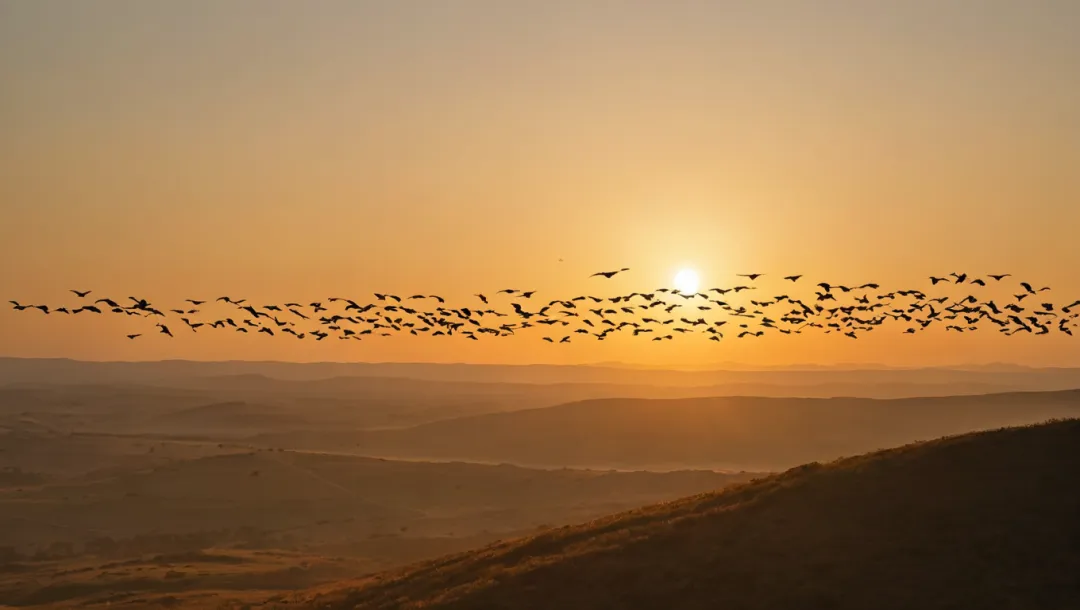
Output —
(340, 501)
(735, 433)
(985, 520)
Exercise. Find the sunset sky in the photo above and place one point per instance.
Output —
(282, 150)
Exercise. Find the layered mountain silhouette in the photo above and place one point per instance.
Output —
(983, 520)
(732, 433)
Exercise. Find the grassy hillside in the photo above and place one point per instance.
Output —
(984, 520)
(736, 433)
(145, 488)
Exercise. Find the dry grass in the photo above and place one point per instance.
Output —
(209, 578)
(984, 520)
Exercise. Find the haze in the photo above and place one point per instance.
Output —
(283, 150)
(626, 304)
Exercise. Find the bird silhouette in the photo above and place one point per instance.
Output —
(609, 274)
(81, 294)
(843, 309)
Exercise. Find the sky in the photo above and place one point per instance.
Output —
(294, 150)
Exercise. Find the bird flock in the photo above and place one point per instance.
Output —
(745, 310)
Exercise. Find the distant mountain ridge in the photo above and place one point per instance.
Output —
(73, 371)
(732, 433)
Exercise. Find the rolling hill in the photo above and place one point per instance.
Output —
(316, 498)
(983, 520)
(731, 433)
(231, 406)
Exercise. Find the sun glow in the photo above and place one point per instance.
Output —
(687, 281)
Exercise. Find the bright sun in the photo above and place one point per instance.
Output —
(686, 281)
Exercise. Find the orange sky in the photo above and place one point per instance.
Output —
(281, 150)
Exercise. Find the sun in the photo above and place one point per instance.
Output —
(687, 281)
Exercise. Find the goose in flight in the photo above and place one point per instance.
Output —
(609, 274)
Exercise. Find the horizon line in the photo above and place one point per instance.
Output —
(724, 366)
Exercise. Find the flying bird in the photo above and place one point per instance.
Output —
(853, 310)
(609, 274)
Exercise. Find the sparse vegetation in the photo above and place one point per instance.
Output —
(986, 520)
(152, 496)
